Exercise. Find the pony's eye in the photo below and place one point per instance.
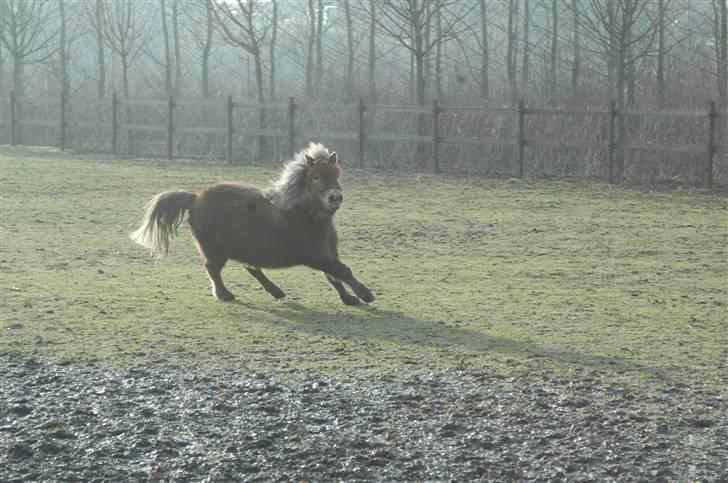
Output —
(316, 177)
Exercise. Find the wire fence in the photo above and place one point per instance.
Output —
(608, 143)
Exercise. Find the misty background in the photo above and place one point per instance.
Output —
(641, 54)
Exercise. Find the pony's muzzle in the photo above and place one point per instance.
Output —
(333, 199)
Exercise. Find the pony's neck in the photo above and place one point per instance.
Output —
(313, 211)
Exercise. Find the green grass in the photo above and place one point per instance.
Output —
(495, 275)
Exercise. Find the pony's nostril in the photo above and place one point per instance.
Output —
(335, 198)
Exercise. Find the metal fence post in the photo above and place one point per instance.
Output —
(13, 121)
(436, 137)
(362, 109)
(291, 126)
(170, 127)
(230, 129)
(114, 124)
(612, 113)
(62, 127)
(521, 141)
(712, 114)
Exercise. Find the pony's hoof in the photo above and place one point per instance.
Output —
(277, 293)
(366, 295)
(350, 300)
(224, 296)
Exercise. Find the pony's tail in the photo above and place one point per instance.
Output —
(164, 215)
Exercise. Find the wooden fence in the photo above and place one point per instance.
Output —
(433, 140)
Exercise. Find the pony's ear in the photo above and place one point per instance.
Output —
(333, 158)
(310, 160)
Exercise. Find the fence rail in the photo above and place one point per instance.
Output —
(611, 145)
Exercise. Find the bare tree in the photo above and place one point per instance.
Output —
(310, 59)
(167, 53)
(63, 49)
(28, 34)
(624, 34)
(511, 47)
(96, 19)
(720, 33)
(198, 22)
(405, 22)
(554, 45)
(238, 24)
(177, 54)
(272, 54)
(661, 10)
(350, 50)
(576, 65)
(372, 52)
(485, 57)
(526, 45)
(319, 41)
(126, 30)
(438, 51)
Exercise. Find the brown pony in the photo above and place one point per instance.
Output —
(289, 223)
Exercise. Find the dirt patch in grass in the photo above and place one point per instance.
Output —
(84, 422)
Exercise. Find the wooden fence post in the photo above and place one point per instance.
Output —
(612, 113)
(62, 127)
(362, 109)
(170, 126)
(114, 124)
(13, 121)
(291, 126)
(436, 137)
(521, 141)
(230, 129)
(712, 114)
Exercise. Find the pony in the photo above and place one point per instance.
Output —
(288, 223)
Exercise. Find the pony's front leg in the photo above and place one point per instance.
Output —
(345, 296)
(338, 270)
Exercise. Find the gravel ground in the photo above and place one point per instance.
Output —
(82, 422)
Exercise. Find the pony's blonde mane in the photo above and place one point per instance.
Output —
(287, 191)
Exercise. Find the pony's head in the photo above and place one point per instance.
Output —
(310, 179)
(322, 181)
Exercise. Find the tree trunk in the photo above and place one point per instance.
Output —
(661, 54)
(18, 84)
(576, 66)
(101, 85)
(427, 62)
(350, 50)
(177, 54)
(554, 45)
(167, 53)
(319, 41)
(273, 38)
(438, 53)
(526, 47)
(206, 50)
(372, 53)
(485, 58)
(511, 54)
(720, 28)
(63, 51)
(310, 52)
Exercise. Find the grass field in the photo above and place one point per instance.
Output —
(558, 277)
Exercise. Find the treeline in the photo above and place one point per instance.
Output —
(641, 53)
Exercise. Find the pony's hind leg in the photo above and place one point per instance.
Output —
(345, 296)
(267, 284)
(214, 267)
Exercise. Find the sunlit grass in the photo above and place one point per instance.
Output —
(494, 275)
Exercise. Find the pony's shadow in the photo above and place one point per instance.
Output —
(370, 324)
